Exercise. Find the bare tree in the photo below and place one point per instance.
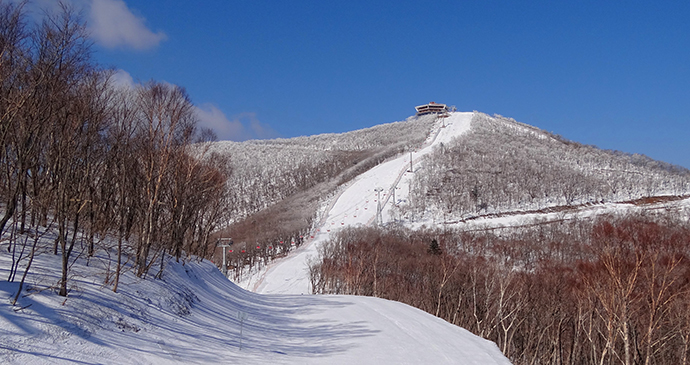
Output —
(18, 136)
(167, 123)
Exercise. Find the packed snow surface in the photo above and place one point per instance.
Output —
(194, 315)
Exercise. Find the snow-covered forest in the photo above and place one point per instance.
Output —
(268, 171)
(277, 186)
(502, 165)
(498, 166)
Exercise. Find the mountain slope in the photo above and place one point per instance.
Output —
(501, 165)
(278, 186)
(510, 167)
(268, 171)
(356, 204)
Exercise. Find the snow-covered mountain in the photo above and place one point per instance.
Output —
(492, 165)
(268, 171)
(501, 165)
(520, 214)
(471, 169)
(291, 197)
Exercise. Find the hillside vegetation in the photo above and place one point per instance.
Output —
(267, 171)
(277, 186)
(90, 159)
(501, 165)
(613, 290)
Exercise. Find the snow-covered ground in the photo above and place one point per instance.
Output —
(679, 208)
(194, 315)
(355, 205)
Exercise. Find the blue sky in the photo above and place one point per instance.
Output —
(615, 74)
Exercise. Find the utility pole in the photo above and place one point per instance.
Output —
(379, 216)
(224, 243)
(443, 119)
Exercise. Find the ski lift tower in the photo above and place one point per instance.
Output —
(379, 216)
(442, 117)
(224, 243)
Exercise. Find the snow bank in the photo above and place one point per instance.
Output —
(196, 316)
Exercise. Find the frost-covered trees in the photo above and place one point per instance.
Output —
(267, 171)
(277, 186)
(502, 165)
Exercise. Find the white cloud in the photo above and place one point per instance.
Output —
(212, 117)
(113, 25)
(260, 130)
(122, 78)
(242, 127)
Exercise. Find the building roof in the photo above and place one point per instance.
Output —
(432, 107)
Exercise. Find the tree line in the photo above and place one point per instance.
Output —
(99, 166)
(613, 290)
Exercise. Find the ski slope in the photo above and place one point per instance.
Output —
(356, 205)
(194, 315)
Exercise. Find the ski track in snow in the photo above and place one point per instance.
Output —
(356, 205)
(194, 315)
